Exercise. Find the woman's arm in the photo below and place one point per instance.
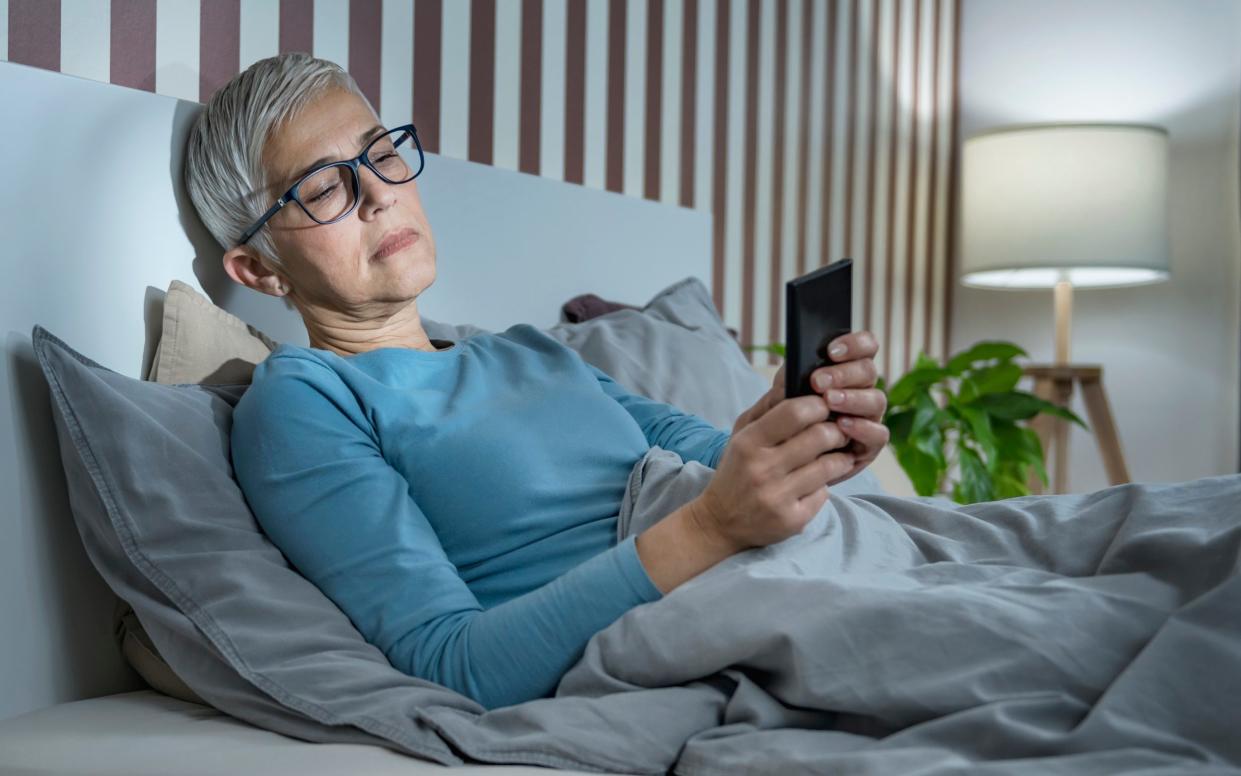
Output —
(321, 489)
(687, 435)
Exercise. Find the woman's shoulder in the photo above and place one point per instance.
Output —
(289, 374)
(293, 363)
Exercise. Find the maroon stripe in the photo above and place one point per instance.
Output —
(689, 99)
(365, 42)
(615, 142)
(719, 173)
(887, 260)
(829, 131)
(574, 91)
(933, 203)
(219, 57)
(654, 93)
(953, 172)
(911, 199)
(482, 80)
(751, 161)
(428, 34)
(530, 127)
(776, 269)
(34, 33)
(132, 44)
(850, 151)
(871, 205)
(803, 140)
(297, 28)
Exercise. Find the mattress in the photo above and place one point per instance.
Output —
(144, 733)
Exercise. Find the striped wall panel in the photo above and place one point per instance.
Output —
(810, 129)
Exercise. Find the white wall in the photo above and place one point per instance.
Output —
(1169, 351)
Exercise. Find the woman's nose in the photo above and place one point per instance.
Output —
(375, 191)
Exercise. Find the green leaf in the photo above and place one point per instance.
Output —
(983, 351)
(979, 425)
(1019, 448)
(931, 443)
(1064, 412)
(926, 415)
(914, 381)
(925, 362)
(1008, 486)
(922, 469)
(774, 347)
(968, 391)
(899, 423)
(1012, 405)
(996, 379)
(975, 484)
(1019, 405)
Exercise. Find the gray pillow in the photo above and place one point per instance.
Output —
(162, 519)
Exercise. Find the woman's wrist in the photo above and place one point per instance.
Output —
(680, 547)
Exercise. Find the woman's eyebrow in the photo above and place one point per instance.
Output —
(362, 140)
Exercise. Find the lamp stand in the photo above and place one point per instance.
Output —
(1054, 383)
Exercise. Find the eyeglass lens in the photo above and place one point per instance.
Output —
(328, 194)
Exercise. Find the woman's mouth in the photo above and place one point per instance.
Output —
(395, 242)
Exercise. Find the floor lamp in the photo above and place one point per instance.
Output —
(1066, 206)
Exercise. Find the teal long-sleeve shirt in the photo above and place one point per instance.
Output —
(460, 505)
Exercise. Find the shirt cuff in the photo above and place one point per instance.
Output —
(631, 566)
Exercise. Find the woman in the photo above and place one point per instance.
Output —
(458, 500)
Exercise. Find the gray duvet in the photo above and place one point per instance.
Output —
(1096, 633)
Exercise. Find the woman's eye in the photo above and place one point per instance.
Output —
(322, 194)
(385, 157)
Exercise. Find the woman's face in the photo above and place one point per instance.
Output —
(331, 266)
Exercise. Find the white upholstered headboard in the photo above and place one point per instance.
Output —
(96, 224)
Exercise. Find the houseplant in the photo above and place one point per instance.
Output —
(966, 416)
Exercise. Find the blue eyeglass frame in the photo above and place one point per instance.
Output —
(361, 159)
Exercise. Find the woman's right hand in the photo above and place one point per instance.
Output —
(772, 478)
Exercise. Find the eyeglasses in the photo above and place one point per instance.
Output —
(331, 191)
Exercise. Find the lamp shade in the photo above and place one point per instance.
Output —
(1082, 202)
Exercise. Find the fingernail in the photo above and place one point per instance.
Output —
(837, 350)
(846, 422)
(822, 381)
(836, 397)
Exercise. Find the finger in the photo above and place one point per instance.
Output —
(867, 433)
(808, 444)
(819, 472)
(787, 418)
(850, 374)
(855, 344)
(864, 402)
(812, 503)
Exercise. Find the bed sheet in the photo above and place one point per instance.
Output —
(145, 733)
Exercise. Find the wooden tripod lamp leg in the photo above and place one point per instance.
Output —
(1100, 415)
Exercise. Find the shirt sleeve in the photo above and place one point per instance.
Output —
(687, 435)
(315, 477)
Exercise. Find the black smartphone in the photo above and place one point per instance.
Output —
(818, 308)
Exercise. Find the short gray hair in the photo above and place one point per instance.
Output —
(224, 174)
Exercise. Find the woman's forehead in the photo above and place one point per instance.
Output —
(336, 125)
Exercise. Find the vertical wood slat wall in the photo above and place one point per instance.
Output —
(810, 129)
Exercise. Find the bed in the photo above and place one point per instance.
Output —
(1086, 633)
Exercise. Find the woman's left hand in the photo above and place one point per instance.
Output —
(849, 388)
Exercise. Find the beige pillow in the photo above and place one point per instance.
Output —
(203, 343)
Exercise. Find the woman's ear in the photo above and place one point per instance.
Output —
(243, 266)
